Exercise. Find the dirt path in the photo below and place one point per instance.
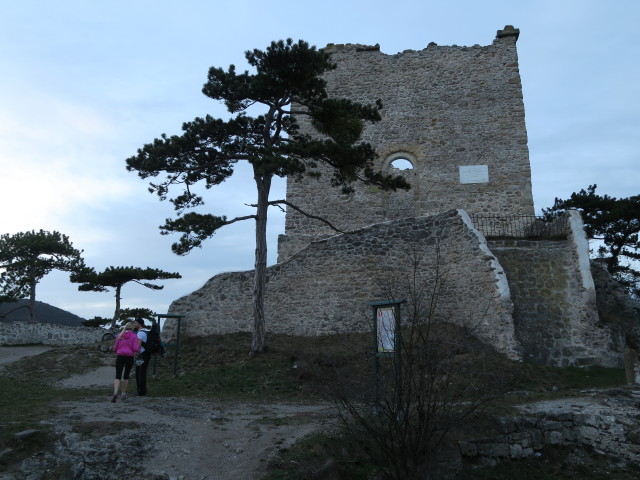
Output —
(201, 440)
(13, 354)
(167, 438)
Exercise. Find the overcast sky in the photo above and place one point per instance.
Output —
(84, 84)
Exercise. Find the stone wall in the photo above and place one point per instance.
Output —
(543, 309)
(445, 107)
(608, 426)
(20, 333)
(325, 288)
(555, 314)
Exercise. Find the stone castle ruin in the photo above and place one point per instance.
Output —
(454, 120)
(454, 114)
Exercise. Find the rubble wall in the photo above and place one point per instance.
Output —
(325, 288)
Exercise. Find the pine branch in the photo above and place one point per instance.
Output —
(278, 204)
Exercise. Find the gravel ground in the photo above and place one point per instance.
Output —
(164, 438)
(201, 440)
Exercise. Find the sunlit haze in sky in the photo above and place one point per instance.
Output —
(84, 84)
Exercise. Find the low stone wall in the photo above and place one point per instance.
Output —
(20, 333)
(607, 425)
(325, 287)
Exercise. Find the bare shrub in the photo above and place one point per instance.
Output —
(437, 379)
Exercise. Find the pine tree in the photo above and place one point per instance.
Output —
(116, 278)
(26, 257)
(614, 221)
(287, 83)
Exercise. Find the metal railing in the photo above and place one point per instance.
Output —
(521, 226)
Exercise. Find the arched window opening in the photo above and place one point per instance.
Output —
(402, 203)
(402, 163)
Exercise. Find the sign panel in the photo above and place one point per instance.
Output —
(474, 174)
(386, 333)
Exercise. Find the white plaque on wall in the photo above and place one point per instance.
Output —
(474, 174)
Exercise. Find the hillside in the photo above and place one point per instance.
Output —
(226, 417)
(45, 313)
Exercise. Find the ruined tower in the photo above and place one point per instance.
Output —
(454, 115)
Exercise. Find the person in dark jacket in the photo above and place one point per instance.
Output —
(144, 356)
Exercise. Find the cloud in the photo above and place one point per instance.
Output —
(39, 194)
(50, 164)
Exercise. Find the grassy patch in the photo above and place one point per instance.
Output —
(24, 447)
(246, 380)
(543, 379)
(557, 463)
(100, 428)
(57, 364)
(273, 422)
(28, 394)
(24, 403)
(219, 367)
(322, 455)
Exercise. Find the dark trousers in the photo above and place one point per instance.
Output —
(123, 363)
(141, 373)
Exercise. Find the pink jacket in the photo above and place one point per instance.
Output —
(128, 344)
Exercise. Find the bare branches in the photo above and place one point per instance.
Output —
(436, 380)
(306, 214)
(239, 219)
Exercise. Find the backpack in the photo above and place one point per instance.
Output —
(153, 345)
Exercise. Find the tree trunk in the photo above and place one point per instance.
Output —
(260, 280)
(117, 312)
(32, 302)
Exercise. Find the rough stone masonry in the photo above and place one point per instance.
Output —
(455, 116)
(455, 113)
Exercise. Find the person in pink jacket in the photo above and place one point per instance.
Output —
(126, 347)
